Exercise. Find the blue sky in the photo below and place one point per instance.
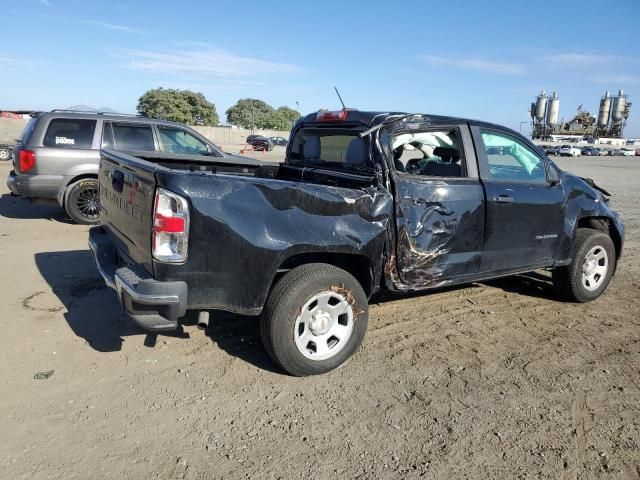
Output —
(476, 59)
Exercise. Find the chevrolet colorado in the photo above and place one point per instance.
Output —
(364, 201)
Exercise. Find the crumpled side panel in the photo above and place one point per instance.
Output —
(244, 228)
(440, 227)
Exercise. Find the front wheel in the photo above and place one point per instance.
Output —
(314, 320)
(591, 269)
(81, 201)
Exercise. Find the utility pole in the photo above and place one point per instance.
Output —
(253, 116)
(298, 108)
(523, 123)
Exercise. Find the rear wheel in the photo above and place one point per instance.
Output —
(588, 275)
(5, 154)
(81, 201)
(314, 320)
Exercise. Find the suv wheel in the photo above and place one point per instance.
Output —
(5, 154)
(592, 267)
(314, 320)
(81, 201)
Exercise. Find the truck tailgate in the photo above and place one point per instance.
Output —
(127, 191)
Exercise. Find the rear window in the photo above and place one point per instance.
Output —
(133, 137)
(69, 133)
(333, 147)
(28, 130)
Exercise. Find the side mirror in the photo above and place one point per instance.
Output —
(552, 176)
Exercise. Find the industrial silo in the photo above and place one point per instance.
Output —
(541, 106)
(619, 106)
(605, 108)
(552, 109)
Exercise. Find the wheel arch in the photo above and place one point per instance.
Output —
(603, 224)
(357, 265)
(62, 193)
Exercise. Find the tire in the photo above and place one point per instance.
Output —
(81, 201)
(299, 328)
(5, 154)
(584, 279)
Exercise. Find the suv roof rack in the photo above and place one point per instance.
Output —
(66, 110)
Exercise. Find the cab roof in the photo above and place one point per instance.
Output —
(372, 118)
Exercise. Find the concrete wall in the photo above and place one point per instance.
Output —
(232, 136)
(11, 129)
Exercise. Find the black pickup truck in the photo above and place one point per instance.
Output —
(364, 201)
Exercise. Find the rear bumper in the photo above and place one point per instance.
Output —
(35, 186)
(153, 305)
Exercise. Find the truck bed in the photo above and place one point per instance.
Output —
(248, 221)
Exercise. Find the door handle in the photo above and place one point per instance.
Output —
(503, 199)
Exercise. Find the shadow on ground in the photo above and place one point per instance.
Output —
(22, 208)
(93, 312)
(533, 284)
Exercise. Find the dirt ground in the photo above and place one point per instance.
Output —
(493, 380)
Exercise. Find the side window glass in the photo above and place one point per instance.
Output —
(107, 135)
(433, 153)
(69, 133)
(510, 159)
(133, 137)
(179, 141)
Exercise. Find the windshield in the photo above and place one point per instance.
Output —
(329, 147)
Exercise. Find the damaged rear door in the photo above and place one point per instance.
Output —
(440, 205)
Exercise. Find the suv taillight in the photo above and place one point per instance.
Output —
(170, 236)
(27, 160)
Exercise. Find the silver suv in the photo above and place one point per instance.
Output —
(59, 154)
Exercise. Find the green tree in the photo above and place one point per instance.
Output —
(289, 113)
(278, 120)
(249, 113)
(183, 106)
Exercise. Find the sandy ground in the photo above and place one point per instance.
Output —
(493, 380)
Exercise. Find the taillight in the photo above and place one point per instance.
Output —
(27, 160)
(170, 236)
(339, 116)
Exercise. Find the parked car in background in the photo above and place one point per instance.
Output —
(260, 142)
(352, 211)
(590, 151)
(279, 141)
(614, 152)
(60, 150)
(550, 150)
(569, 151)
(627, 152)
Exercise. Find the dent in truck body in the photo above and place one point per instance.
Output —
(252, 225)
(439, 222)
(439, 237)
(585, 202)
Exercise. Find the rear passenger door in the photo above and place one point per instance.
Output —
(129, 137)
(525, 211)
(439, 205)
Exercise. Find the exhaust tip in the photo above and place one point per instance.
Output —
(203, 320)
